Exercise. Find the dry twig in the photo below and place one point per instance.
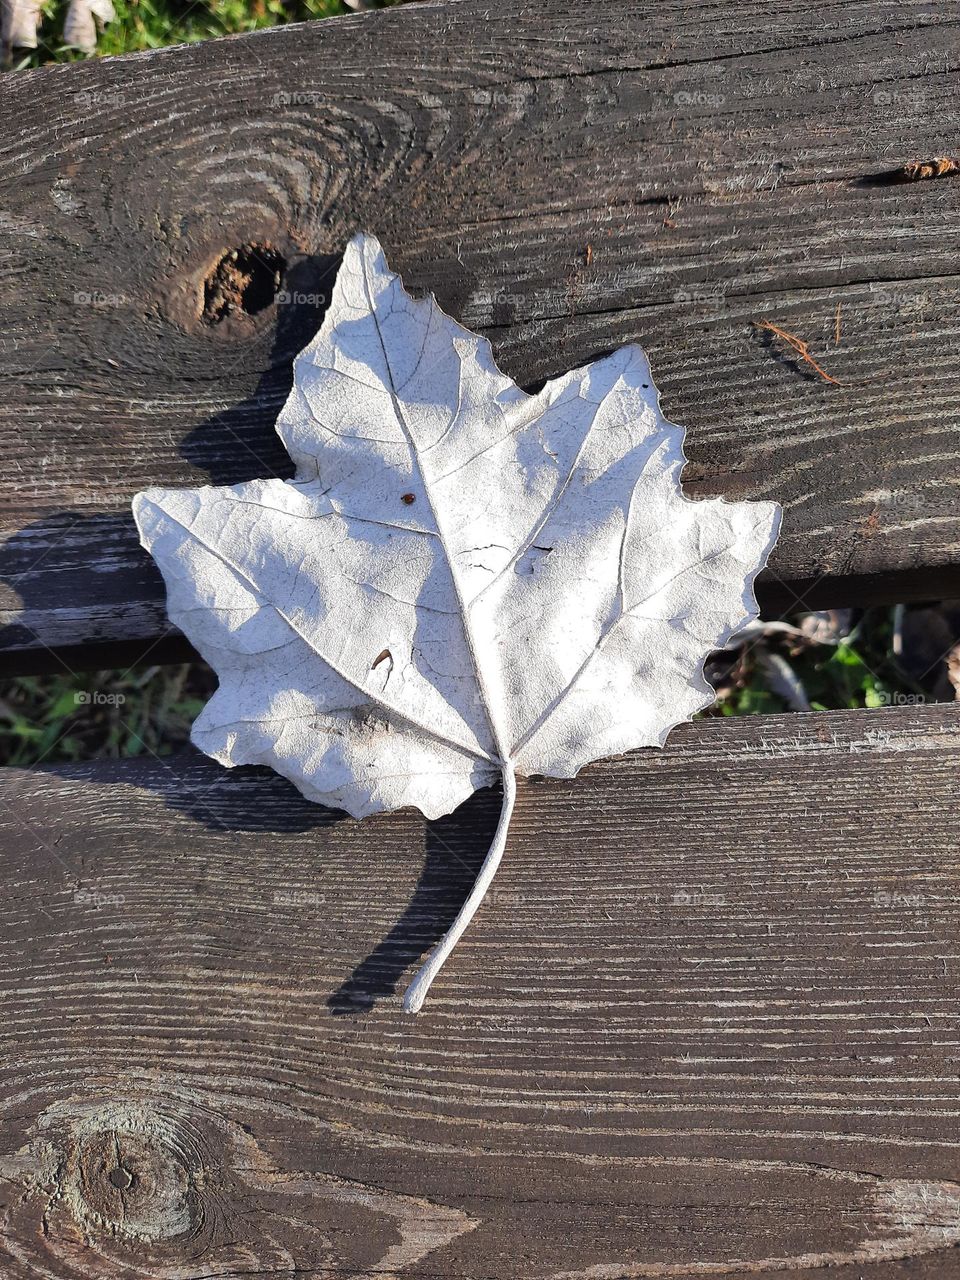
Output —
(798, 345)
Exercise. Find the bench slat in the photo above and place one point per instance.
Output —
(708, 1015)
(565, 178)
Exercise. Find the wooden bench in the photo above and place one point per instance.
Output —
(707, 1024)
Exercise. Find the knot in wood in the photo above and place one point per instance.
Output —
(133, 1171)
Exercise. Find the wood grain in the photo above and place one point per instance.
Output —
(706, 1025)
(565, 178)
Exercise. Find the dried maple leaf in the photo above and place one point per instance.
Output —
(463, 582)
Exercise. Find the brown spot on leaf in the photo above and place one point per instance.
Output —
(408, 498)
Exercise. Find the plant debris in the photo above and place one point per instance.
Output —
(923, 170)
(798, 345)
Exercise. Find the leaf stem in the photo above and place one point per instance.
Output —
(418, 988)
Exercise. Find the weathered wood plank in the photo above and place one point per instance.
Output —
(707, 1023)
(566, 178)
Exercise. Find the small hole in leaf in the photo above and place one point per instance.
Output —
(245, 279)
(381, 657)
(408, 498)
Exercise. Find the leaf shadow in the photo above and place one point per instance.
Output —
(252, 800)
(249, 799)
(455, 848)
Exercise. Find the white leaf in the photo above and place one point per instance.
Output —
(463, 581)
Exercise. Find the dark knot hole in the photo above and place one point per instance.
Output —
(245, 279)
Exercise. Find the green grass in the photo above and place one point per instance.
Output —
(103, 714)
(860, 671)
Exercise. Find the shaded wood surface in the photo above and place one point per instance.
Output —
(566, 178)
(705, 1025)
